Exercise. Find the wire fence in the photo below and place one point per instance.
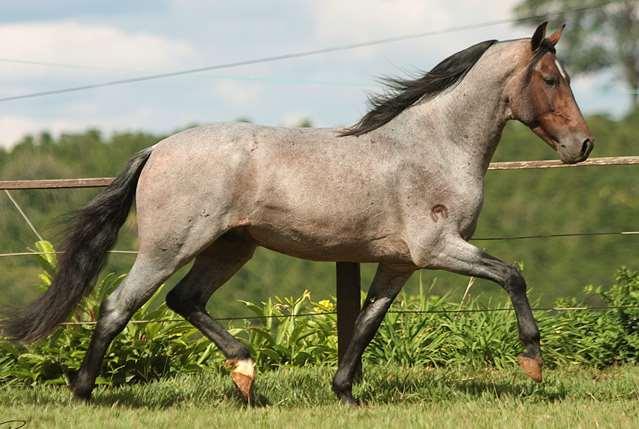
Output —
(399, 312)
(517, 165)
(499, 166)
(504, 238)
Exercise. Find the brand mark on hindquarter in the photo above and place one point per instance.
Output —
(438, 211)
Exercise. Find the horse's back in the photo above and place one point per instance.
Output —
(301, 191)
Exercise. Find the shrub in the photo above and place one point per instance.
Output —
(420, 330)
(142, 352)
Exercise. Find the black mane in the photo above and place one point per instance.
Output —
(404, 93)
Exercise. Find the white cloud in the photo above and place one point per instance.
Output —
(103, 48)
(361, 20)
(191, 33)
(15, 127)
(99, 47)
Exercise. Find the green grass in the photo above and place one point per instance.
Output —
(301, 397)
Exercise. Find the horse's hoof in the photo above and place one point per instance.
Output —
(243, 375)
(345, 395)
(348, 399)
(531, 366)
(80, 394)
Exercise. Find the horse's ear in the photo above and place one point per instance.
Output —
(538, 37)
(554, 37)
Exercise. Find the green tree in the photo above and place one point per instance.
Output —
(522, 202)
(304, 123)
(597, 38)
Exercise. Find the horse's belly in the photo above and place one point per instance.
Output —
(332, 246)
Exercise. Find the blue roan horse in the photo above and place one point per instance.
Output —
(402, 188)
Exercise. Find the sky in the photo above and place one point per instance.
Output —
(91, 42)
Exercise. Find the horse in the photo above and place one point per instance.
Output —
(403, 188)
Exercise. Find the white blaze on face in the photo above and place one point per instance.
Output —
(561, 69)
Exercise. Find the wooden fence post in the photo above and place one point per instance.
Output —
(348, 306)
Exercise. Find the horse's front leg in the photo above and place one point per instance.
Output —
(386, 285)
(459, 256)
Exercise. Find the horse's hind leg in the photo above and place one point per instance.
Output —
(211, 269)
(146, 275)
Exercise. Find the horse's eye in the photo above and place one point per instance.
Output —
(551, 81)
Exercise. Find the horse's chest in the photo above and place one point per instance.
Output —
(468, 214)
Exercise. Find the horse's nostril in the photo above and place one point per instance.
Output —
(586, 147)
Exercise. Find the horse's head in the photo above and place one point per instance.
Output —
(539, 95)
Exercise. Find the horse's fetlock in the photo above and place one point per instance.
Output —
(341, 385)
(239, 352)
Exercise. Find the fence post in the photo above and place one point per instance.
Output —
(348, 287)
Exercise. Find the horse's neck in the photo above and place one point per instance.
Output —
(475, 118)
(466, 121)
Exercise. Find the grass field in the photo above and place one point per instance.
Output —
(301, 397)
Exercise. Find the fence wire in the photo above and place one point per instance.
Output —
(505, 238)
(400, 312)
(312, 52)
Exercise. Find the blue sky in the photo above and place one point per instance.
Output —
(116, 39)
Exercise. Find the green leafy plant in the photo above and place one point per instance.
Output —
(142, 352)
(421, 330)
(282, 334)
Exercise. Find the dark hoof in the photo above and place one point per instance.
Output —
(531, 366)
(81, 394)
(348, 399)
(345, 396)
(80, 390)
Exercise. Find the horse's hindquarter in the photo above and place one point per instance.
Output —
(323, 197)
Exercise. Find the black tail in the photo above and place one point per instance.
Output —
(93, 231)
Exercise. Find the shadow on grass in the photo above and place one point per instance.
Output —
(424, 388)
(376, 389)
(133, 399)
(501, 390)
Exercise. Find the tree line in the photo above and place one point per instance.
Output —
(517, 203)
